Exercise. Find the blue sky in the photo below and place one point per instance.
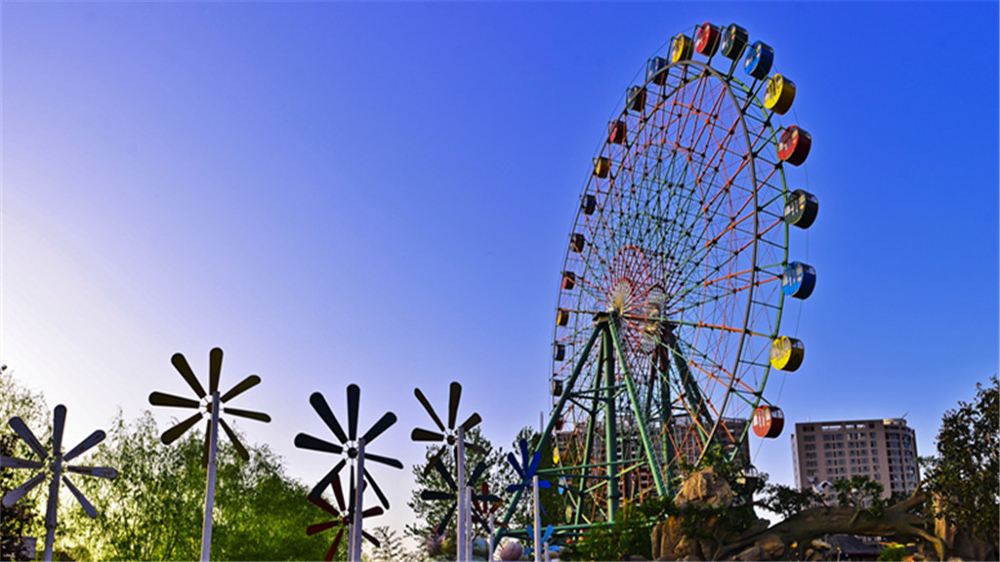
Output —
(381, 194)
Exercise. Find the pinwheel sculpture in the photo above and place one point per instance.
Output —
(484, 509)
(54, 466)
(542, 543)
(342, 515)
(451, 495)
(353, 449)
(209, 403)
(451, 437)
(527, 473)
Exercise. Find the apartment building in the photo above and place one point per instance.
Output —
(884, 450)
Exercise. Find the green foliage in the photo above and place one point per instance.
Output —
(965, 471)
(893, 551)
(860, 492)
(390, 547)
(23, 519)
(430, 513)
(153, 510)
(629, 534)
(788, 501)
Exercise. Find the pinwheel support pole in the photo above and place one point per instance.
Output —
(490, 547)
(467, 492)
(356, 538)
(461, 530)
(537, 527)
(213, 445)
(52, 508)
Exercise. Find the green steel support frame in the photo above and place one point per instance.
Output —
(606, 389)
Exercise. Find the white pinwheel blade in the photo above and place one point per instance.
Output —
(11, 497)
(92, 440)
(98, 471)
(87, 506)
(14, 462)
(22, 431)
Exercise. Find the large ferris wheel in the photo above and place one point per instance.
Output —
(667, 325)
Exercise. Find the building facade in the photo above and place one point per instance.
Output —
(884, 450)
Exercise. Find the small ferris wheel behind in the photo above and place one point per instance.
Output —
(676, 273)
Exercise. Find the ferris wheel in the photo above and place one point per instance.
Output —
(668, 321)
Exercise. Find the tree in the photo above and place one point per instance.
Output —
(430, 513)
(153, 510)
(390, 548)
(22, 519)
(963, 477)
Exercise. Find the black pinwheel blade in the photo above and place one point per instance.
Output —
(454, 396)
(171, 435)
(489, 498)
(240, 388)
(350, 495)
(333, 547)
(430, 462)
(439, 466)
(91, 441)
(306, 441)
(11, 497)
(97, 471)
(14, 462)
(320, 527)
(353, 399)
(22, 431)
(436, 495)
(420, 434)
(180, 363)
(235, 440)
(395, 463)
(323, 409)
(333, 479)
(373, 511)
(474, 420)
(319, 502)
(427, 406)
(214, 369)
(58, 425)
(378, 491)
(87, 506)
(443, 525)
(477, 473)
(338, 487)
(259, 416)
(384, 423)
(515, 465)
(371, 539)
(164, 399)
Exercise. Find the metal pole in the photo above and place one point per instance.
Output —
(359, 493)
(470, 535)
(461, 531)
(490, 547)
(610, 419)
(53, 507)
(537, 529)
(213, 444)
